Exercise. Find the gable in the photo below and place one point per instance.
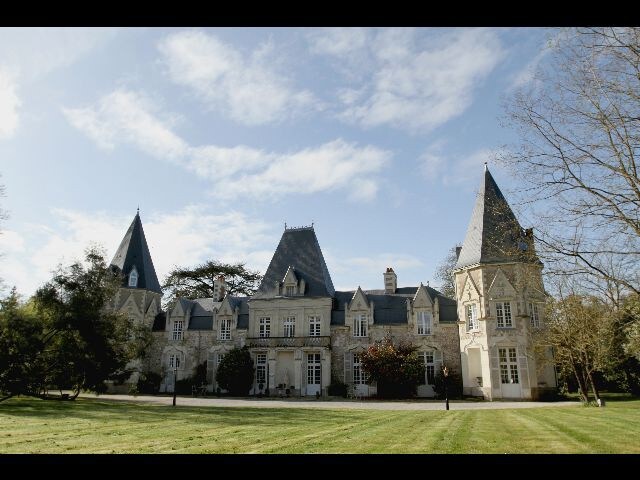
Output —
(500, 286)
(359, 301)
(422, 299)
(469, 289)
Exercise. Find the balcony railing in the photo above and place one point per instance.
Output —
(273, 342)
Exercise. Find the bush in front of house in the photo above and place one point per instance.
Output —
(236, 372)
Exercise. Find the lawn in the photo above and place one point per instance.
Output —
(99, 426)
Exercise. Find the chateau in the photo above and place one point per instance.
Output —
(304, 335)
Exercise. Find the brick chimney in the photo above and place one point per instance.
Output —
(390, 281)
(218, 288)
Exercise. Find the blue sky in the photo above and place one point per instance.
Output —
(377, 136)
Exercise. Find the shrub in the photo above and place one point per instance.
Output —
(338, 389)
(148, 383)
(235, 372)
(454, 385)
(183, 387)
(395, 367)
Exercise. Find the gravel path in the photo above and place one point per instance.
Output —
(332, 403)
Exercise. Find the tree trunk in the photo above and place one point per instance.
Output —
(595, 389)
(582, 387)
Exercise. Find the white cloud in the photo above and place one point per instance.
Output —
(124, 116)
(437, 166)
(9, 104)
(353, 271)
(185, 237)
(527, 73)
(38, 51)
(417, 82)
(337, 41)
(248, 89)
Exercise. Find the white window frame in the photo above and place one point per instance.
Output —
(219, 358)
(264, 327)
(534, 313)
(174, 361)
(360, 323)
(359, 375)
(289, 327)
(178, 330)
(471, 312)
(508, 359)
(425, 323)
(315, 323)
(133, 278)
(428, 358)
(225, 329)
(503, 315)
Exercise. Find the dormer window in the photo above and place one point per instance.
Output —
(133, 278)
(290, 290)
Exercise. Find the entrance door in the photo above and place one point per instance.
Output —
(509, 377)
(313, 373)
(360, 387)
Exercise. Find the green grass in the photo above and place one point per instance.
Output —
(99, 426)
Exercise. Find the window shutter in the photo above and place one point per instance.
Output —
(494, 363)
(348, 368)
(304, 371)
(523, 370)
(210, 360)
(437, 361)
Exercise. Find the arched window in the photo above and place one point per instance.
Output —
(133, 278)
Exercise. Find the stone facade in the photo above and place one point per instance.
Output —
(304, 336)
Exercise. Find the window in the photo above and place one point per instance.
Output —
(225, 329)
(314, 369)
(360, 325)
(503, 312)
(290, 290)
(174, 361)
(290, 327)
(359, 375)
(178, 327)
(535, 316)
(265, 327)
(508, 365)
(430, 367)
(261, 369)
(424, 323)
(219, 358)
(472, 317)
(314, 326)
(133, 278)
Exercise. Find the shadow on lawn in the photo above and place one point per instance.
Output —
(95, 409)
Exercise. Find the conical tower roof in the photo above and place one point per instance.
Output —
(134, 251)
(494, 234)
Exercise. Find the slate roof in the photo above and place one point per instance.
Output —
(133, 250)
(159, 322)
(300, 249)
(243, 313)
(391, 309)
(494, 234)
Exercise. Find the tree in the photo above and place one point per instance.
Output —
(21, 343)
(198, 282)
(579, 329)
(3, 216)
(395, 368)
(235, 372)
(69, 337)
(444, 273)
(579, 134)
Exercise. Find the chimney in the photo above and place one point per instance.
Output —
(218, 288)
(458, 250)
(390, 281)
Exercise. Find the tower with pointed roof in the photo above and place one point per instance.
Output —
(140, 294)
(500, 297)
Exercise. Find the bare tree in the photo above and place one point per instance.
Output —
(579, 128)
(444, 273)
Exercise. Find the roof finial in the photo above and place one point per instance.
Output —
(138, 210)
(485, 167)
(285, 225)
